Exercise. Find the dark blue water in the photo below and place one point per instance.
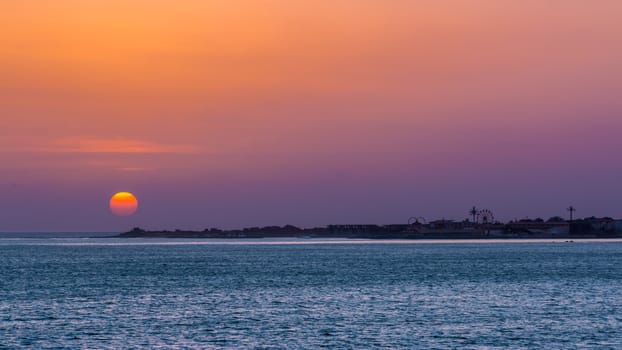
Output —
(89, 293)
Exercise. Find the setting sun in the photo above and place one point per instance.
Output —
(123, 204)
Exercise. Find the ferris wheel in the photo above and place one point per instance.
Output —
(485, 216)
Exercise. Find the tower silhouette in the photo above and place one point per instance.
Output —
(571, 210)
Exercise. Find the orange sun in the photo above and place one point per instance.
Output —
(123, 204)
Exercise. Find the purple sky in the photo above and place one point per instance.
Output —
(241, 113)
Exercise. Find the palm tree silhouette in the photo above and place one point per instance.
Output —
(571, 210)
(473, 213)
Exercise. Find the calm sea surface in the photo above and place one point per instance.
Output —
(140, 293)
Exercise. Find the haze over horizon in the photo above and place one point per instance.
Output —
(250, 113)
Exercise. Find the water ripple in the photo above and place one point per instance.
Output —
(532, 295)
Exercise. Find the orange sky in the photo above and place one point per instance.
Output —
(113, 93)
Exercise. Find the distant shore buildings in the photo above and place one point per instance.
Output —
(481, 224)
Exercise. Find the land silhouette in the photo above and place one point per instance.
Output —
(480, 225)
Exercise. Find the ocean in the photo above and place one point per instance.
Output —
(70, 292)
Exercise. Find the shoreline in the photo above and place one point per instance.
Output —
(440, 237)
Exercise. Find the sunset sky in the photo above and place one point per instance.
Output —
(248, 113)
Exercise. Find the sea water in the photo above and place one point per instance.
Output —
(157, 293)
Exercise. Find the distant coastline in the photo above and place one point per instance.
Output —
(416, 229)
